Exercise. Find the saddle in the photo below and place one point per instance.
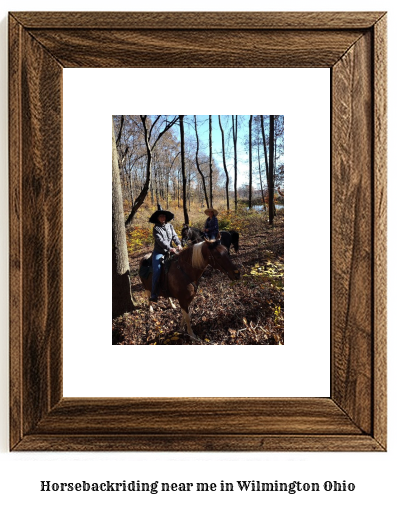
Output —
(146, 270)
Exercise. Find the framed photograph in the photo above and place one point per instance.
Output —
(220, 307)
(198, 221)
(353, 46)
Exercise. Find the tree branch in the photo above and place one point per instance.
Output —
(121, 129)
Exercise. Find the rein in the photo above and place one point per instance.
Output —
(215, 264)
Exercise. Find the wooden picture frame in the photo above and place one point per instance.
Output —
(353, 46)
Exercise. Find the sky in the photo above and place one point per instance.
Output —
(243, 157)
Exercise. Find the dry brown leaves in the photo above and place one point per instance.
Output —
(247, 312)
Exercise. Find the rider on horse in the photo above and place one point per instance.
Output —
(211, 227)
(164, 234)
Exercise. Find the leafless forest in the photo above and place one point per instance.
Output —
(187, 164)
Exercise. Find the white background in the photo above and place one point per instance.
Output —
(179, 371)
(373, 474)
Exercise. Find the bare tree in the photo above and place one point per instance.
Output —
(198, 164)
(224, 163)
(210, 147)
(234, 126)
(184, 199)
(265, 149)
(150, 145)
(120, 130)
(168, 179)
(260, 177)
(271, 170)
(122, 301)
(250, 161)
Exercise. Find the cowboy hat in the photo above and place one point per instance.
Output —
(154, 218)
(211, 209)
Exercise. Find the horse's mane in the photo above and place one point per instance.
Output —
(194, 254)
(186, 256)
(197, 256)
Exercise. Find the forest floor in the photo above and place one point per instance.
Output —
(249, 311)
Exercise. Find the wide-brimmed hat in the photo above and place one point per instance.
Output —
(154, 218)
(211, 209)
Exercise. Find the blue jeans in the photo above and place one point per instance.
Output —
(156, 265)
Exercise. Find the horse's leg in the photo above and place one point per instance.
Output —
(186, 317)
(171, 303)
(148, 294)
(183, 322)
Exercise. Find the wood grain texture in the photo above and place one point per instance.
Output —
(173, 416)
(199, 443)
(200, 20)
(354, 46)
(351, 228)
(15, 227)
(36, 230)
(196, 48)
(380, 229)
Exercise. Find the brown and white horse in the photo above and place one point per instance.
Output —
(185, 271)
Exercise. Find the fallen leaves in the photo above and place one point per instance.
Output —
(245, 312)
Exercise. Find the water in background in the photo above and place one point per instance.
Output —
(259, 207)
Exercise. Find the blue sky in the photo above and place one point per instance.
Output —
(203, 126)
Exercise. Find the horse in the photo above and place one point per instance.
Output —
(194, 235)
(184, 271)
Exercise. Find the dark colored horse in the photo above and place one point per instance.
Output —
(194, 235)
(184, 272)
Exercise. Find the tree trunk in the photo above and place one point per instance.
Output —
(189, 191)
(250, 163)
(121, 289)
(185, 213)
(210, 141)
(156, 179)
(265, 150)
(120, 131)
(224, 163)
(173, 180)
(260, 177)
(271, 170)
(274, 169)
(198, 165)
(178, 187)
(235, 161)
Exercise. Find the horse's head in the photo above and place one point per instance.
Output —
(219, 259)
(185, 234)
(191, 234)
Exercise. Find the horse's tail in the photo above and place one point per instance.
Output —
(235, 239)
